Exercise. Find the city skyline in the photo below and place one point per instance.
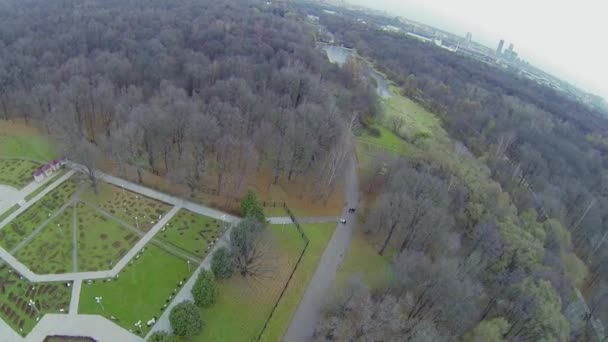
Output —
(563, 38)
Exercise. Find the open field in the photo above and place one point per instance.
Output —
(243, 304)
(15, 292)
(191, 232)
(24, 224)
(22, 141)
(319, 235)
(416, 119)
(51, 250)
(134, 209)
(102, 242)
(140, 291)
(17, 173)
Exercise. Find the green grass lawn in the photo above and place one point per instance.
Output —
(244, 304)
(191, 232)
(416, 118)
(319, 235)
(26, 145)
(51, 250)
(17, 173)
(140, 291)
(101, 241)
(134, 209)
(15, 292)
(387, 141)
(24, 224)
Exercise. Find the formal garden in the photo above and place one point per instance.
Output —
(36, 215)
(22, 303)
(133, 209)
(101, 241)
(192, 232)
(16, 173)
(140, 292)
(51, 250)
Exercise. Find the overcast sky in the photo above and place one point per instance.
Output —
(565, 37)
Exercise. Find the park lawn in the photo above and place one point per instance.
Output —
(362, 259)
(244, 305)
(102, 242)
(20, 141)
(141, 290)
(416, 118)
(319, 235)
(17, 291)
(387, 141)
(17, 173)
(50, 252)
(26, 222)
(192, 232)
(134, 209)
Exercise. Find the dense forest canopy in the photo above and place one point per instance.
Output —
(487, 241)
(548, 154)
(203, 92)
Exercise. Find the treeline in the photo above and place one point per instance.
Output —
(202, 92)
(517, 265)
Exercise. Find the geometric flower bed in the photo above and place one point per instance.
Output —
(16, 292)
(16, 173)
(24, 224)
(191, 232)
(50, 252)
(134, 209)
(102, 242)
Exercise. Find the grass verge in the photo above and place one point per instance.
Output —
(319, 236)
(244, 304)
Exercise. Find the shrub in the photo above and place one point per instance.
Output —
(185, 319)
(374, 132)
(250, 207)
(205, 289)
(162, 336)
(221, 263)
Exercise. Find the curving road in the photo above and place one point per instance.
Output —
(304, 321)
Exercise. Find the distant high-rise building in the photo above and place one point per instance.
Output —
(468, 38)
(501, 44)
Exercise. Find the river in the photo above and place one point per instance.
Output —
(339, 55)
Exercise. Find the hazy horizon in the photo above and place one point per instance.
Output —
(567, 42)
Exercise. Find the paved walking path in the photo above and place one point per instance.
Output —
(75, 300)
(42, 226)
(74, 241)
(93, 326)
(156, 241)
(7, 334)
(36, 198)
(184, 293)
(10, 198)
(307, 315)
(157, 195)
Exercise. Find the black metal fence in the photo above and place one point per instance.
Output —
(306, 242)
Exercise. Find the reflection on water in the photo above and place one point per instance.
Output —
(339, 55)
